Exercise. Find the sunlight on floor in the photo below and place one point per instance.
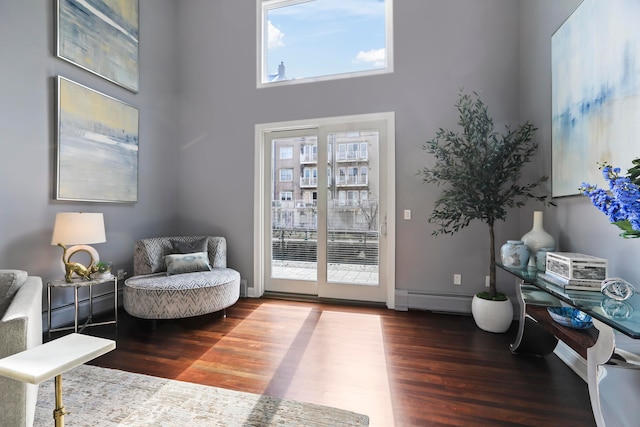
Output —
(344, 366)
(265, 353)
(328, 358)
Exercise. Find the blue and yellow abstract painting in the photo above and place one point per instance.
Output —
(595, 63)
(97, 146)
(101, 36)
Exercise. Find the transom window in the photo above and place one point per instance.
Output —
(311, 40)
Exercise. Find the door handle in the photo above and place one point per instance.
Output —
(383, 227)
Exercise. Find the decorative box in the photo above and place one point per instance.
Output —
(576, 266)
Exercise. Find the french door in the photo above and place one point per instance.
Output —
(325, 206)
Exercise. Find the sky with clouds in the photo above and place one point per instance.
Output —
(323, 37)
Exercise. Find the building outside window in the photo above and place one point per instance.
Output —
(348, 186)
(363, 175)
(352, 175)
(309, 153)
(352, 151)
(352, 198)
(286, 196)
(363, 151)
(342, 176)
(286, 174)
(286, 152)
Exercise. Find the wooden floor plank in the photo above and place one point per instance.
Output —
(401, 368)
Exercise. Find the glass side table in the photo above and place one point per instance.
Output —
(80, 283)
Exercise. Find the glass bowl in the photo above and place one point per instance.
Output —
(570, 317)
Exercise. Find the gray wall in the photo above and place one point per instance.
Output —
(28, 132)
(576, 224)
(440, 46)
(198, 107)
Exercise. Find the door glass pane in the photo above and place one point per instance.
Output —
(353, 209)
(294, 210)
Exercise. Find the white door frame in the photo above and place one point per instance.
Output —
(387, 227)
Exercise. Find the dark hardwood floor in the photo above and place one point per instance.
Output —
(400, 368)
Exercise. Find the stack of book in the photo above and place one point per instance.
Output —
(573, 271)
(570, 284)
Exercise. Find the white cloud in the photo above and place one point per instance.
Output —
(276, 37)
(376, 56)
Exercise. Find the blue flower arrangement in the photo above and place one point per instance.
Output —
(622, 203)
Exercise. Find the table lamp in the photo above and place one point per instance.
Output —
(79, 229)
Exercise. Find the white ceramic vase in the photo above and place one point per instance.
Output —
(537, 238)
(492, 316)
(514, 254)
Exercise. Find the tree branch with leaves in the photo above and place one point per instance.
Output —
(480, 171)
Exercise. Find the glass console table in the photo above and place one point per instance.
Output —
(613, 361)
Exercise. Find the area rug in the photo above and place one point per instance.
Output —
(101, 397)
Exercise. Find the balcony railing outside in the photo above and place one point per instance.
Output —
(311, 181)
(351, 156)
(343, 247)
(354, 180)
(309, 158)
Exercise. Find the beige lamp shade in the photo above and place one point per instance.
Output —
(78, 228)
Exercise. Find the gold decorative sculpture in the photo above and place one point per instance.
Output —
(75, 267)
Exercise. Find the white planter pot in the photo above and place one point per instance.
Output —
(492, 316)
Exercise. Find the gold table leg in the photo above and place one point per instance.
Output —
(59, 412)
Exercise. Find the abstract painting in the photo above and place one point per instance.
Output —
(97, 159)
(595, 61)
(101, 36)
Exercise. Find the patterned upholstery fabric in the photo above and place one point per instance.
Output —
(151, 294)
(20, 329)
(187, 263)
(158, 296)
(10, 281)
(148, 255)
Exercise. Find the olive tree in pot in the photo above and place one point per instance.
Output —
(480, 170)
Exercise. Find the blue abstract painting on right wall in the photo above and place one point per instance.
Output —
(595, 61)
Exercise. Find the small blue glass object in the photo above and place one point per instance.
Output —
(570, 317)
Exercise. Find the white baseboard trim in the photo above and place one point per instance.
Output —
(402, 300)
(572, 359)
(64, 315)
